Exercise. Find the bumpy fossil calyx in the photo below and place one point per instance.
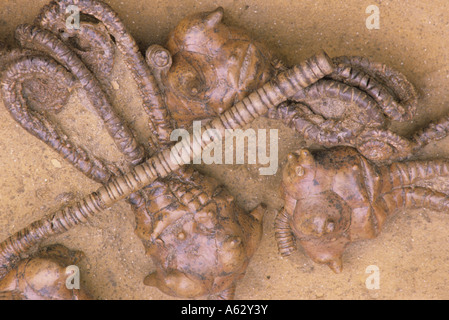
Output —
(199, 239)
(213, 66)
(337, 196)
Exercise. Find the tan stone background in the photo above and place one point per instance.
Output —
(412, 252)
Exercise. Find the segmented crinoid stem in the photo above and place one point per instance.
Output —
(33, 37)
(283, 234)
(12, 85)
(387, 86)
(160, 165)
(152, 98)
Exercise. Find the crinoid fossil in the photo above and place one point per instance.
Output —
(334, 197)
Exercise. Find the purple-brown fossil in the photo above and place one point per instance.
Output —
(336, 196)
(353, 106)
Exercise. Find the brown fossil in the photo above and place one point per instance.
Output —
(353, 106)
(337, 196)
(43, 276)
(208, 67)
(200, 240)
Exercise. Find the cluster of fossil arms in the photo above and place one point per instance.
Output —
(214, 73)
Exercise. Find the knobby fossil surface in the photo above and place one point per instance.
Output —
(336, 196)
(350, 106)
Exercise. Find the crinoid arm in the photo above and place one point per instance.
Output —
(13, 82)
(149, 90)
(330, 113)
(392, 91)
(35, 38)
(383, 146)
(416, 198)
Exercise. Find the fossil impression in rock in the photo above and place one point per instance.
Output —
(43, 276)
(334, 197)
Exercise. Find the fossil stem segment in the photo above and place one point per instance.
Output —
(163, 163)
(283, 234)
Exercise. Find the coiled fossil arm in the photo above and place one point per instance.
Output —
(256, 104)
(35, 38)
(283, 234)
(389, 88)
(433, 132)
(330, 131)
(352, 106)
(152, 98)
(37, 124)
(394, 94)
